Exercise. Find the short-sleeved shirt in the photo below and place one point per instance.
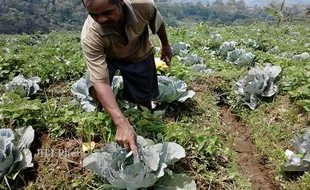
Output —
(101, 43)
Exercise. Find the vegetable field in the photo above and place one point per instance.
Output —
(233, 113)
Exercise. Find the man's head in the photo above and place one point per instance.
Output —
(105, 12)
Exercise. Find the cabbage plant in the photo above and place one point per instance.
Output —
(258, 83)
(232, 56)
(80, 90)
(245, 59)
(301, 57)
(15, 155)
(250, 43)
(300, 161)
(172, 89)
(226, 47)
(124, 170)
(201, 68)
(275, 50)
(287, 54)
(23, 87)
(181, 49)
(216, 36)
(240, 57)
(192, 59)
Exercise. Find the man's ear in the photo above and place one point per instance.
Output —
(121, 2)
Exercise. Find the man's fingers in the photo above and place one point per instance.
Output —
(167, 60)
(120, 143)
(133, 148)
(126, 146)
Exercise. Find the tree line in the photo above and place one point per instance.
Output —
(30, 16)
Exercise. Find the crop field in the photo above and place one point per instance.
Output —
(236, 99)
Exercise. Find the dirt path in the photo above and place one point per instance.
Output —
(250, 163)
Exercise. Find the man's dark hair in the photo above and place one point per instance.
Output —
(110, 1)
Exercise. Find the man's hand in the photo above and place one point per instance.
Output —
(166, 51)
(125, 134)
(166, 54)
(126, 137)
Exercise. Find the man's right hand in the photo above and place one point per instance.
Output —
(126, 137)
(125, 133)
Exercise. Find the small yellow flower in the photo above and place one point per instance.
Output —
(81, 123)
(88, 146)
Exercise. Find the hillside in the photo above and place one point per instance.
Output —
(255, 2)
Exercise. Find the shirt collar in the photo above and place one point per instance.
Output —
(131, 19)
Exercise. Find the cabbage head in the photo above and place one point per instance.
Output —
(172, 89)
(23, 87)
(300, 161)
(301, 57)
(258, 83)
(201, 68)
(192, 59)
(181, 49)
(126, 171)
(226, 47)
(14, 151)
(80, 90)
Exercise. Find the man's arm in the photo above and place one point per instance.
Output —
(93, 50)
(157, 25)
(166, 51)
(125, 134)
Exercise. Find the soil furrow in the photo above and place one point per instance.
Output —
(250, 162)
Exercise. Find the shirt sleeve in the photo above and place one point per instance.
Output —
(93, 50)
(156, 20)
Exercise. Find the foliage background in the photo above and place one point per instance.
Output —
(32, 16)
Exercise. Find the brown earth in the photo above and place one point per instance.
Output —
(54, 159)
(250, 162)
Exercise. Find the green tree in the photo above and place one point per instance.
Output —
(276, 11)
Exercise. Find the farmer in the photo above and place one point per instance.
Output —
(114, 37)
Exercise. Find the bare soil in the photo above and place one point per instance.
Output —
(250, 162)
(61, 158)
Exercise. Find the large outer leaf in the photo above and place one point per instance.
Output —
(173, 181)
(6, 164)
(17, 156)
(134, 177)
(25, 136)
(98, 162)
(171, 152)
(6, 137)
(151, 156)
(26, 162)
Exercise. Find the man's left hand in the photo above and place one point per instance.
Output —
(166, 54)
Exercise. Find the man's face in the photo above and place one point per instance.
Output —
(105, 13)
